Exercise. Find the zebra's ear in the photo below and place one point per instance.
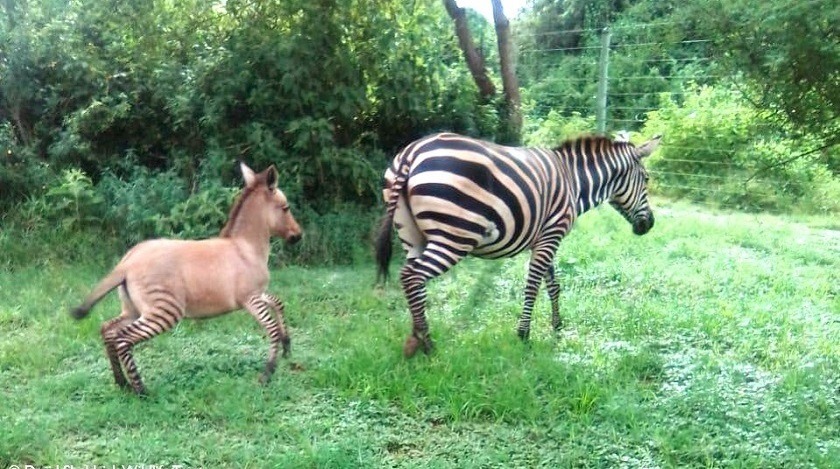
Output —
(648, 147)
(247, 174)
(271, 177)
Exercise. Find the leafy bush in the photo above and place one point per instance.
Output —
(720, 150)
(341, 236)
(136, 204)
(73, 219)
(72, 202)
(21, 172)
(556, 128)
(201, 215)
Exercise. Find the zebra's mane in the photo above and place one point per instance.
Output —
(590, 141)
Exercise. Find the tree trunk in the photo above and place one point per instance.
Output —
(508, 69)
(475, 61)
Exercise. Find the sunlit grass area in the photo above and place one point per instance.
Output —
(712, 341)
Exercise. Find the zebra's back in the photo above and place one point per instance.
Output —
(478, 197)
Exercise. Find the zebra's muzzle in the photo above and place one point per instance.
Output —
(642, 225)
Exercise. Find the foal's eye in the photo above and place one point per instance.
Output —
(284, 208)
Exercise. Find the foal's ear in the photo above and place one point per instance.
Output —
(271, 177)
(648, 147)
(247, 174)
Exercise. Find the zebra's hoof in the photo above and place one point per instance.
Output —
(523, 334)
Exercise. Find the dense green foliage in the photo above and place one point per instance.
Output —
(124, 122)
(720, 150)
(699, 344)
(791, 51)
(302, 84)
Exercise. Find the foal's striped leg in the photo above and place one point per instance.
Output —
(261, 306)
(108, 330)
(144, 328)
(434, 260)
(279, 311)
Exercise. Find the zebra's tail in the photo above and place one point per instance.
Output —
(384, 248)
(113, 280)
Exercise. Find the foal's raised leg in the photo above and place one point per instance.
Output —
(261, 306)
(434, 260)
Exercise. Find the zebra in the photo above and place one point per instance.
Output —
(162, 281)
(449, 196)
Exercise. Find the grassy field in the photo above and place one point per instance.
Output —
(714, 341)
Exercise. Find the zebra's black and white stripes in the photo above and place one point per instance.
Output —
(450, 196)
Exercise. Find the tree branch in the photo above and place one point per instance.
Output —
(474, 59)
(791, 159)
(510, 83)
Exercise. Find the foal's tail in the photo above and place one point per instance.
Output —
(384, 247)
(111, 281)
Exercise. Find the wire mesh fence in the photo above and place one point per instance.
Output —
(646, 66)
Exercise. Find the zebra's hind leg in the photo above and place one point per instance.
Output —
(261, 306)
(435, 259)
(108, 331)
(553, 294)
(141, 329)
(542, 258)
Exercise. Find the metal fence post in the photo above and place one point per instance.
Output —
(601, 97)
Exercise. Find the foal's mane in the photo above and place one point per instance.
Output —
(236, 209)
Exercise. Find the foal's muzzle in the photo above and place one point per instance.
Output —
(642, 225)
(294, 238)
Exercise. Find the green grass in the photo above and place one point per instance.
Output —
(713, 341)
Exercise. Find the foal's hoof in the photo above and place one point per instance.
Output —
(265, 379)
(410, 347)
(412, 343)
(523, 334)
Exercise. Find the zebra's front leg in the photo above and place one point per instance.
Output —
(553, 295)
(542, 258)
(260, 307)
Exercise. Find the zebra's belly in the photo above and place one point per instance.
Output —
(496, 250)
